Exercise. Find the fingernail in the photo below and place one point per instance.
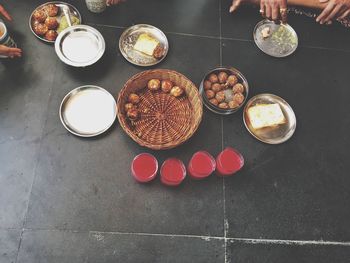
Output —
(231, 9)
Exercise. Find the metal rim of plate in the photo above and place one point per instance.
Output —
(72, 8)
(266, 51)
(147, 29)
(76, 28)
(75, 92)
(286, 109)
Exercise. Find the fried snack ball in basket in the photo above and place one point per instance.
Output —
(129, 106)
(223, 105)
(213, 78)
(214, 102)
(40, 29)
(51, 9)
(220, 96)
(51, 23)
(39, 15)
(133, 114)
(232, 80)
(167, 85)
(177, 91)
(216, 87)
(134, 98)
(207, 84)
(210, 94)
(222, 76)
(153, 84)
(238, 88)
(51, 35)
(239, 98)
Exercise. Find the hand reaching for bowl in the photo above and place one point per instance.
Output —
(114, 2)
(10, 52)
(335, 9)
(4, 13)
(275, 10)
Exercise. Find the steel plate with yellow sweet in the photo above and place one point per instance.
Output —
(269, 118)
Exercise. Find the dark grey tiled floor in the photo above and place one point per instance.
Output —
(298, 190)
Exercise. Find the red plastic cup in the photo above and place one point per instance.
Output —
(172, 172)
(228, 162)
(144, 167)
(201, 165)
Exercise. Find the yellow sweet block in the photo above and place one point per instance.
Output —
(146, 44)
(265, 115)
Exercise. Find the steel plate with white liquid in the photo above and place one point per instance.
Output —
(128, 40)
(276, 134)
(281, 40)
(88, 111)
(80, 46)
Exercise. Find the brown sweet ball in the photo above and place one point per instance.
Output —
(167, 85)
(153, 84)
(129, 106)
(51, 9)
(39, 15)
(232, 80)
(233, 104)
(213, 78)
(134, 98)
(176, 91)
(214, 102)
(40, 29)
(158, 52)
(216, 87)
(239, 98)
(222, 77)
(207, 84)
(51, 35)
(51, 23)
(238, 88)
(223, 105)
(210, 94)
(133, 114)
(220, 96)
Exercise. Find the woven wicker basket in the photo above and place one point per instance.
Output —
(165, 121)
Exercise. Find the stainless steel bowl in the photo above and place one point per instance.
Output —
(228, 70)
(80, 46)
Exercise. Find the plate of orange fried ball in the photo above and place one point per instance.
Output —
(224, 90)
(48, 20)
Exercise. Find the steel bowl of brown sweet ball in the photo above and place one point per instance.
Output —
(159, 109)
(224, 90)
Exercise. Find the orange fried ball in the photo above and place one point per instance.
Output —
(167, 85)
(176, 91)
(40, 29)
(51, 23)
(222, 77)
(133, 114)
(129, 106)
(214, 102)
(220, 96)
(39, 15)
(210, 94)
(51, 9)
(233, 104)
(51, 35)
(239, 98)
(153, 84)
(223, 105)
(238, 88)
(213, 78)
(232, 80)
(207, 84)
(134, 98)
(216, 87)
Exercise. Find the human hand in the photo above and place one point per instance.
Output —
(335, 9)
(10, 51)
(234, 6)
(114, 2)
(4, 13)
(275, 10)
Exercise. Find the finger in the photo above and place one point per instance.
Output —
(268, 12)
(275, 13)
(345, 14)
(235, 5)
(262, 8)
(323, 1)
(108, 2)
(325, 12)
(283, 11)
(333, 14)
(5, 14)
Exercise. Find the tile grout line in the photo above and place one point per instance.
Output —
(289, 242)
(36, 164)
